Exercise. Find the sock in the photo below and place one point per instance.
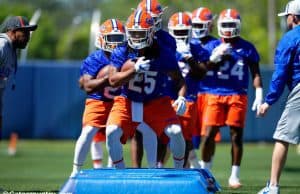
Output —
(97, 164)
(178, 162)
(109, 162)
(177, 144)
(160, 165)
(119, 164)
(114, 146)
(76, 169)
(149, 143)
(97, 154)
(83, 144)
(235, 172)
(193, 159)
(205, 165)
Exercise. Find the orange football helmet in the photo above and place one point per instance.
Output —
(180, 26)
(140, 29)
(201, 22)
(229, 23)
(111, 34)
(155, 9)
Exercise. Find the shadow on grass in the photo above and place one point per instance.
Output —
(292, 169)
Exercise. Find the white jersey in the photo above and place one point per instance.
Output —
(8, 59)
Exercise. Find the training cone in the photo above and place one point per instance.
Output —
(12, 145)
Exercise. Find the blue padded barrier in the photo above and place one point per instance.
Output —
(142, 181)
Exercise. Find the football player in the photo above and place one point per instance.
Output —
(180, 26)
(202, 25)
(227, 94)
(142, 67)
(94, 81)
(154, 8)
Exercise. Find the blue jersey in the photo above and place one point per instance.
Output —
(287, 65)
(208, 43)
(232, 76)
(164, 38)
(91, 66)
(150, 84)
(191, 83)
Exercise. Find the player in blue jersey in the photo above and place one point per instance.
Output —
(202, 24)
(94, 81)
(141, 67)
(154, 8)
(227, 94)
(287, 72)
(180, 26)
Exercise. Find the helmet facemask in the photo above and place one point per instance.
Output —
(200, 29)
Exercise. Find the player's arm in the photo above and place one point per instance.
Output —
(256, 76)
(118, 78)
(180, 82)
(91, 84)
(198, 69)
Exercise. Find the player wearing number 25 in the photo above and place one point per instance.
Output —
(142, 68)
(227, 95)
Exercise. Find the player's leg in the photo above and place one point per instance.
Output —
(97, 151)
(208, 146)
(161, 152)
(119, 128)
(149, 143)
(188, 149)
(82, 146)
(236, 135)
(177, 144)
(279, 156)
(237, 108)
(193, 159)
(136, 150)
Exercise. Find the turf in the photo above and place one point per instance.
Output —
(41, 165)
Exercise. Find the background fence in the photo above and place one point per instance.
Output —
(48, 104)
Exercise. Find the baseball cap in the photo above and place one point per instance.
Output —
(17, 22)
(292, 7)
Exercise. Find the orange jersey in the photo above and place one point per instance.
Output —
(157, 113)
(95, 114)
(226, 110)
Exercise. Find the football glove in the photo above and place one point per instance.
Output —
(258, 99)
(142, 65)
(184, 49)
(180, 104)
(219, 51)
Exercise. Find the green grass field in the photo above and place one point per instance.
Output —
(45, 165)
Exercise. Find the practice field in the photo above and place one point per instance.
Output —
(45, 165)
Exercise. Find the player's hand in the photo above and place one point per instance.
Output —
(219, 51)
(258, 99)
(180, 104)
(263, 109)
(184, 49)
(142, 65)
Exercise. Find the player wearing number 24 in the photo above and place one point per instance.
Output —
(227, 94)
(142, 68)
